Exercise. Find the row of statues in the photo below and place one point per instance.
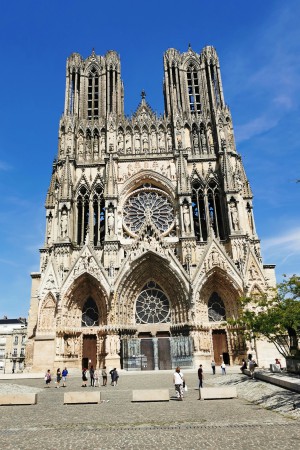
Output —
(91, 147)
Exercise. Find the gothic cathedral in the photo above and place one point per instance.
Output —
(150, 236)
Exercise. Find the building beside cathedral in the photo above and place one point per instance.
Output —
(150, 236)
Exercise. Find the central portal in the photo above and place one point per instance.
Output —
(89, 351)
(220, 347)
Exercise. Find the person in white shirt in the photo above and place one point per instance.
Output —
(178, 380)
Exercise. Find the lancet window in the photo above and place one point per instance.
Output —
(90, 314)
(152, 305)
(216, 308)
(98, 210)
(93, 94)
(193, 89)
(72, 92)
(207, 211)
(82, 214)
(215, 84)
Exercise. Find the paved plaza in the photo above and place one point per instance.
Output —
(117, 423)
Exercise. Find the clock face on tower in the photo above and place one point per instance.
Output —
(149, 203)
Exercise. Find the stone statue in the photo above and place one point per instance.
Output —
(186, 219)
(222, 136)
(178, 136)
(137, 142)
(161, 141)
(169, 140)
(195, 140)
(128, 143)
(145, 141)
(69, 141)
(49, 229)
(102, 142)
(110, 221)
(64, 224)
(80, 147)
(234, 216)
(120, 142)
(203, 140)
(96, 146)
(153, 141)
(210, 138)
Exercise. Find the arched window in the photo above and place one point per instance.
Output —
(199, 213)
(152, 305)
(90, 314)
(207, 210)
(82, 214)
(193, 89)
(215, 210)
(99, 211)
(216, 308)
(93, 94)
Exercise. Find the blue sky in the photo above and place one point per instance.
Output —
(258, 44)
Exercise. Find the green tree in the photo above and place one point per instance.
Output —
(275, 317)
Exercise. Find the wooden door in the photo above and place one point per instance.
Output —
(164, 354)
(220, 347)
(89, 351)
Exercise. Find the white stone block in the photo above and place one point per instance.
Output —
(150, 395)
(82, 397)
(212, 393)
(18, 399)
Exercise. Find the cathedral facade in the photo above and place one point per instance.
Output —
(150, 236)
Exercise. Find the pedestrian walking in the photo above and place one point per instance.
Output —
(104, 376)
(64, 375)
(114, 377)
(111, 372)
(252, 365)
(178, 380)
(48, 378)
(200, 376)
(92, 372)
(213, 367)
(223, 368)
(58, 377)
(84, 377)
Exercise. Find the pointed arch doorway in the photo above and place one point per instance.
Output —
(89, 351)
(220, 347)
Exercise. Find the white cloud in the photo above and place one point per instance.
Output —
(270, 71)
(283, 246)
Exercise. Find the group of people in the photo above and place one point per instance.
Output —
(59, 376)
(92, 373)
(252, 364)
(95, 377)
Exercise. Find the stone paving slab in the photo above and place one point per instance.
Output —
(117, 423)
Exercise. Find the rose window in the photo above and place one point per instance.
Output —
(152, 305)
(149, 203)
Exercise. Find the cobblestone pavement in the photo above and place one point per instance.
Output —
(117, 423)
